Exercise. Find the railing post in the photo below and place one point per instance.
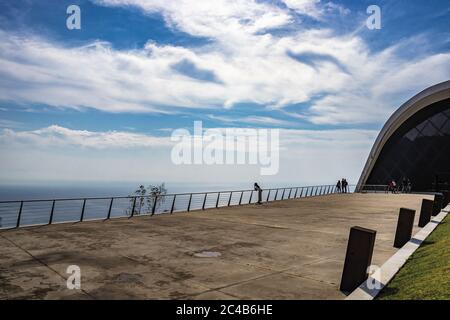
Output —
(204, 201)
(19, 215)
(290, 191)
(110, 209)
(51, 212)
(276, 195)
(295, 195)
(268, 195)
(282, 196)
(311, 192)
(317, 189)
(229, 199)
(251, 195)
(82, 210)
(154, 204)
(173, 204)
(240, 199)
(217, 202)
(134, 207)
(189, 204)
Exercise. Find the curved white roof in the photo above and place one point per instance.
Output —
(425, 98)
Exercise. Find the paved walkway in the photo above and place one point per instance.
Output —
(291, 249)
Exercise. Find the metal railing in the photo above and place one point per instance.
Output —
(374, 188)
(383, 188)
(15, 214)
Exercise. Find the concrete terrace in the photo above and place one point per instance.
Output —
(292, 249)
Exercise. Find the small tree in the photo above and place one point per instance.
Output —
(140, 200)
(156, 193)
(152, 193)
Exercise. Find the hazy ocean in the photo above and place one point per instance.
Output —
(90, 190)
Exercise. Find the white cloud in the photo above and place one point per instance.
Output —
(58, 153)
(305, 7)
(63, 137)
(217, 19)
(10, 124)
(355, 85)
(254, 120)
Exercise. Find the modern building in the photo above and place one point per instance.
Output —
(414, 144)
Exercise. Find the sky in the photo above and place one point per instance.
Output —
(101, 103)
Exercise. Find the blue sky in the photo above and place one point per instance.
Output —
(144, 68)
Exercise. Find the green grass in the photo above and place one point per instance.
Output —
(426, 274)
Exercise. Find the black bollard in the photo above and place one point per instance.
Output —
(438, 201)
(425, 212)
(358, 258)
(446, 199)
(405, 226)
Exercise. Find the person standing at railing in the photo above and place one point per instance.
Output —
(404, 185)
(258, 188)
(344, 185)
(338, 186)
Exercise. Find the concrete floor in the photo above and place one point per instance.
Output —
(291, 249)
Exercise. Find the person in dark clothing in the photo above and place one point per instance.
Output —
(408, 186)
(258, 188)
(344, 185)
(404, 185)
(338, 186)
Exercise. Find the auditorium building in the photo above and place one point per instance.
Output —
(414, 144)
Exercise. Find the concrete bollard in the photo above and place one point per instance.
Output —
(438, 201)
(405, 226)
(425, 212)
(357, 258)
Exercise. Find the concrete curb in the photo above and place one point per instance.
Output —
(390, 268)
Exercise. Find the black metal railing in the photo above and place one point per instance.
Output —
(15, 214)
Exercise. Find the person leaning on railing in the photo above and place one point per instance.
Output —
(258, 188)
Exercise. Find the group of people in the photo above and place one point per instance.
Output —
(405, 187)
(342, 186)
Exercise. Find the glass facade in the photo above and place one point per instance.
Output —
(419, 151)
